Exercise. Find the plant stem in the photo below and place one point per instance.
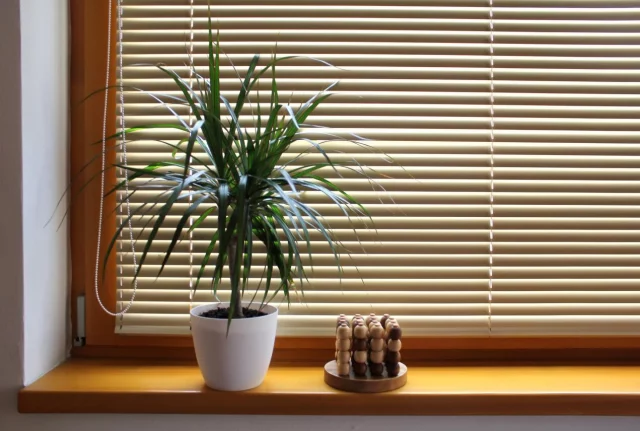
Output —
(236, 307)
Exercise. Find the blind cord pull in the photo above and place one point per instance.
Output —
(191, 66)
(123, 160)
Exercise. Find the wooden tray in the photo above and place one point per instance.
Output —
(365, 384)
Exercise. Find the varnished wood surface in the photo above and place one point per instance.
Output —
(587, 350)
(89, 25)
(110, 386)
(365, 384)
(420, 343)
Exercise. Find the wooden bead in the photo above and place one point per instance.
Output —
(392, 357)
(356, 317)
(344, 332)
(394, 345)
(370, 317)
(376, 331)
(372, 324)
(389, 323)
(343, 357)
(384, 320)
(377, 344)
(360, 356)
(341, 318)
(360, 369)
(376, 357)
(343, 345)
(344, 369)
(393, 370)
(376, 369)
(356, 322)
(395, 333)
(360, 331)
(359, 344)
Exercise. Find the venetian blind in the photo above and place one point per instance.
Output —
(415, 79)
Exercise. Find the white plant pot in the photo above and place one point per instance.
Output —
(239, 361)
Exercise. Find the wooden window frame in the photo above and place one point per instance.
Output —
(88, 63)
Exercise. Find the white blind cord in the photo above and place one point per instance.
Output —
(491, 160)
(191, 66)
(123, 159)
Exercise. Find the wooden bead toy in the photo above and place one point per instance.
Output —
(376, 369)
(369, 318)
(394, 345)
(343, 332)
(359, 344)
(344, 369)
(343, 346)
(393, 369)
(360, 332)
(389, 323)
(367, 355)
(384, 319)
(359, 358)
(359, 369)
(392, 357)
(376, 357)
(376, 344)
(343, 356)
(373, 323)
(395, 333)
(341, 318)
(376, 331)
(355, 318)
(376, 348)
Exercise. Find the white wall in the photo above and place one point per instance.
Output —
(33, 139)
(45, 92)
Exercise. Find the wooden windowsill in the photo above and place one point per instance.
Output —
(125, 386)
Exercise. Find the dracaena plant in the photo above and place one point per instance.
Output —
(230, 169)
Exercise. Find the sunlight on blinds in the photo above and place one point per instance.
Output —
(415, 79)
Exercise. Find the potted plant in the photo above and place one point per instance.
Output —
(237, 178)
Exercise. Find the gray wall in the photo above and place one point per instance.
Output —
(33, 259)
(11, 216)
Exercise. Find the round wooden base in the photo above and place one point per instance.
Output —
(365, 384)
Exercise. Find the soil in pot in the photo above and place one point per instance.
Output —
(223, 313)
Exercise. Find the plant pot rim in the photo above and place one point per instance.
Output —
(267, 308)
